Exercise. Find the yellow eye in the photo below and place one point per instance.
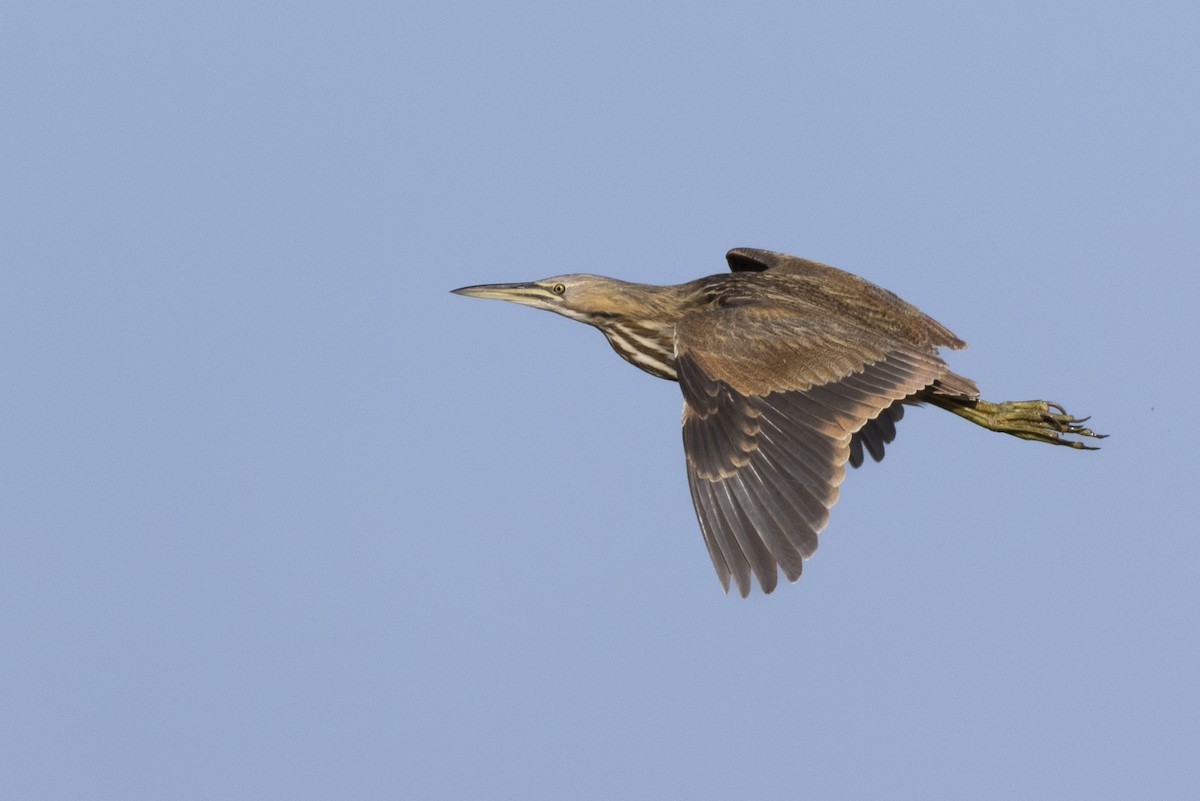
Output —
(558, 289)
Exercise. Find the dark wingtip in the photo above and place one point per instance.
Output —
(743, 260)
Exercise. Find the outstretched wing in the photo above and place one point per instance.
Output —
(773, 396)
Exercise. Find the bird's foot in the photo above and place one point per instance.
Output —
(1042, 421)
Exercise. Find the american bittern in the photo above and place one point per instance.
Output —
(789, 369)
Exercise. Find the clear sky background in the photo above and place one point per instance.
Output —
(281, 518)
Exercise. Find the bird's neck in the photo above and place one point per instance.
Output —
(639, 322)
(645, 343)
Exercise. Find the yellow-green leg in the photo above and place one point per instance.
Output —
(1042, 421)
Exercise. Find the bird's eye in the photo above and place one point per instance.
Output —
(558, 289)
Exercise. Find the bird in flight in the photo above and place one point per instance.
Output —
(789, 369)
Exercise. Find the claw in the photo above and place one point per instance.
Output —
(1013, 417)
(1042, 421)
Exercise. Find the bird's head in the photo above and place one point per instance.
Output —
(588, 298)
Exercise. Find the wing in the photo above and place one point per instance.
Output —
(849, 296)
(772, 399)
(875, 434)
(755, 260)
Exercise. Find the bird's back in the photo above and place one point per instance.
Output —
(813, 287)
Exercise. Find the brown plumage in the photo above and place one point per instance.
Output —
(789, 370)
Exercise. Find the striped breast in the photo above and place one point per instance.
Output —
(645, 345)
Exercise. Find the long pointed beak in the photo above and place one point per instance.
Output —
(517, 293)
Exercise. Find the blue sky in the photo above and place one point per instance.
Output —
(282, 518)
